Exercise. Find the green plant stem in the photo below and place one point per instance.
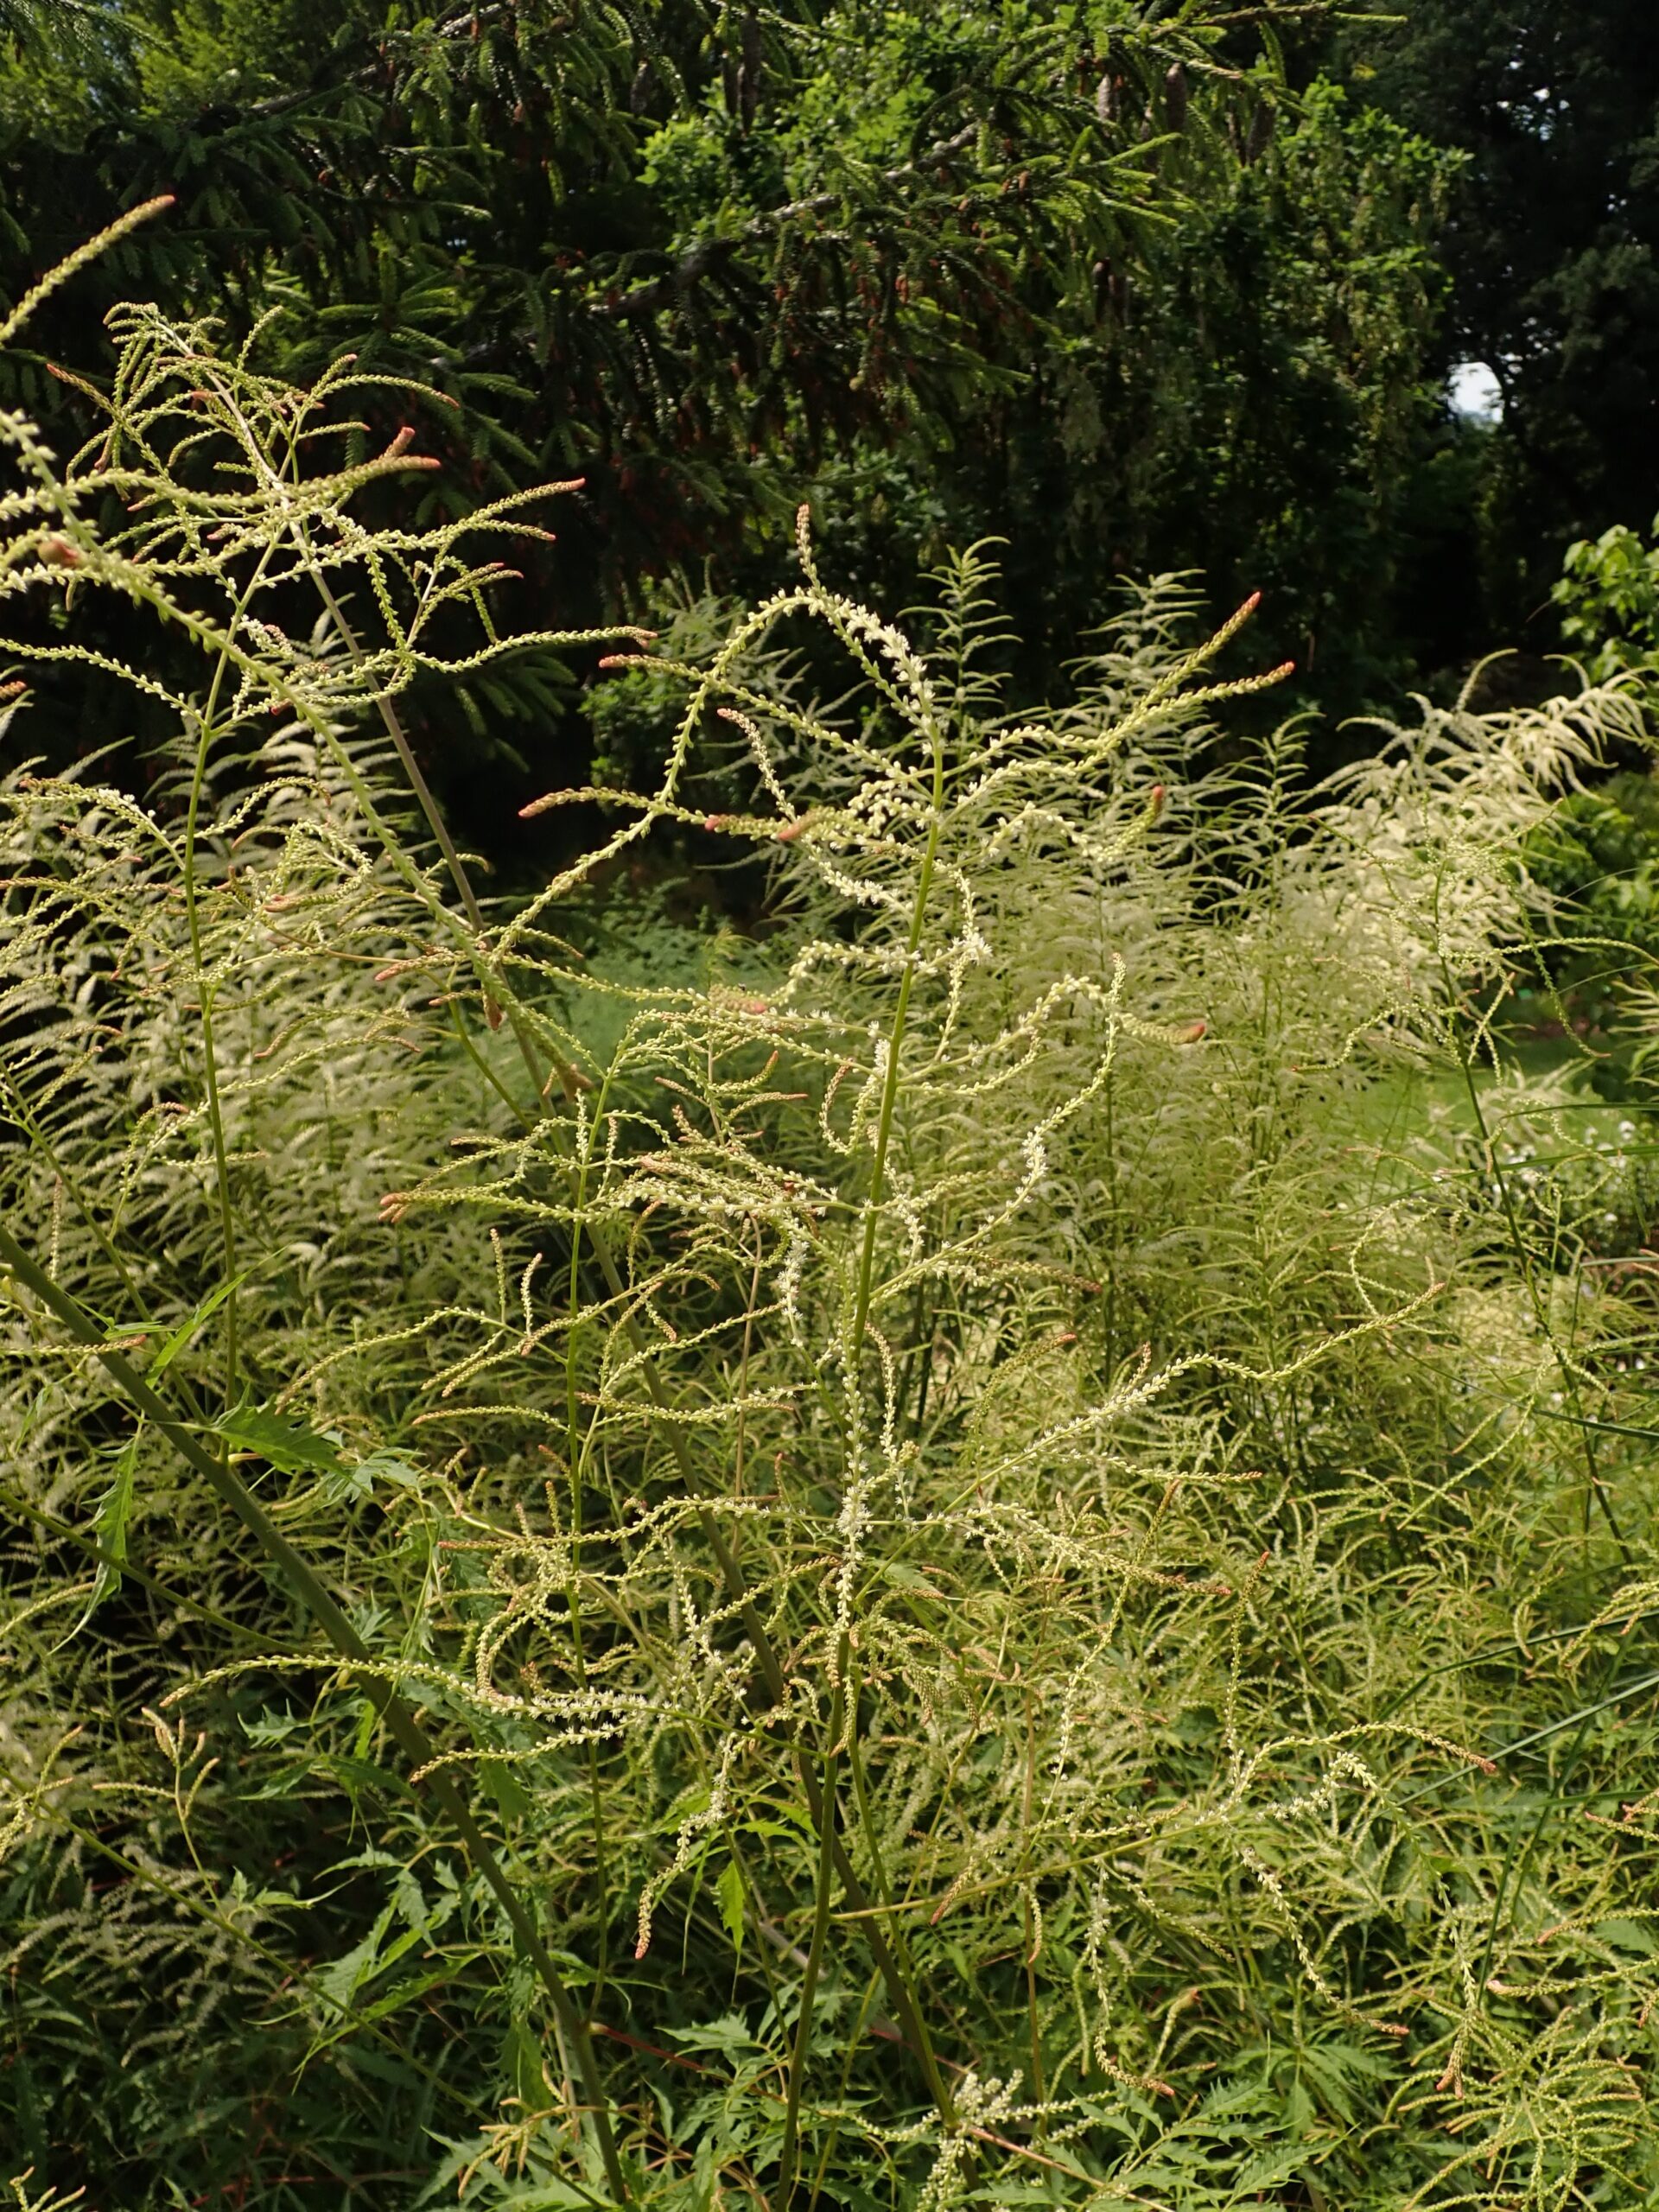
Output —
(831, 1853)
(177, 1598)
(841, 1713)
(576, 1445)
(895, 1043)
(900, 1994)
(394, 729)
(1492, 1653)
(823, 1890)
(847, 2057)
(1522, 1843)
(210, 1057)
(405, 1729)
(64, 1173)
(205, 731)
(906, 1963)
(897, 1978)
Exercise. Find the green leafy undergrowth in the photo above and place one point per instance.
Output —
(919, 1558)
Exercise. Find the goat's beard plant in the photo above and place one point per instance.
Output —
(959, 1521)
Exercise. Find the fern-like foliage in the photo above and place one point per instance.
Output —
(1014, 1543)
(69, 27)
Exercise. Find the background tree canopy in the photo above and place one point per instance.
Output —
(1131, 288)
(1550, 250)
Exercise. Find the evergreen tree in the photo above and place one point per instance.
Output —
(1102, 283)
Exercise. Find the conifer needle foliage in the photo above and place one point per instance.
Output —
(938, 268)
(993, 1544)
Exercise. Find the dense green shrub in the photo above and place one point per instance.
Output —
(948, 1552)
(1608, 593)
(1598, 858)
(940, 270)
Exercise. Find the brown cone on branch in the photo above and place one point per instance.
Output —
(1259, 137)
